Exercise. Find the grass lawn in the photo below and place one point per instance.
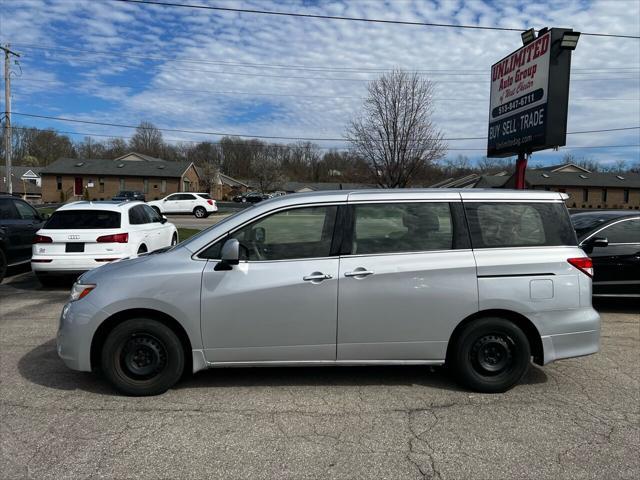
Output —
(184, 233)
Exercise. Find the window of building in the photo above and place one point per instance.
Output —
(402, 227)
(186, 185)
(585, 194)
(604, 194)
(145, 184)
(101, 182)
(163, 186)
(625, 195)
(122, 184)
(59, 183)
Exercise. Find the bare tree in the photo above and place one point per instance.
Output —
(395, 133)
(147, 140)
(266, 169)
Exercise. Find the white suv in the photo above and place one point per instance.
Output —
(84, 235)
(199, 204)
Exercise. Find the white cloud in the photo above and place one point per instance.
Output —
(125, 89)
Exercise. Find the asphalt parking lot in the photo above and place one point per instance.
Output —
(576, 418)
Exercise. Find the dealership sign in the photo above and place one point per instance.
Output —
(529, 98)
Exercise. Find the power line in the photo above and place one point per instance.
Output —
(87, 134)
(475, 72)
(352, 19)
(275, 94)
(268, 137)
(344, 79)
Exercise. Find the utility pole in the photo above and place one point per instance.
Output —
(7, 114)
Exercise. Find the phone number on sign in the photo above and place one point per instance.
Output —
(519, 102)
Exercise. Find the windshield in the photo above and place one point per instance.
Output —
(83, 219)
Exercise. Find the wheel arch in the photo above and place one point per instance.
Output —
(116, 319)
(522, 322)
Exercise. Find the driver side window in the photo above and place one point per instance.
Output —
(291, 234)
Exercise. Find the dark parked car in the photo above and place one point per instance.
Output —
(612, 239)
(251, 197)
(19, 222)
(125, 195)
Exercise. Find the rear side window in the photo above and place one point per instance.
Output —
(401, 227)
(495, 225)
(83, 219)
(206, 196)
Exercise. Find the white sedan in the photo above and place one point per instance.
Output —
(84, 235)
(199, 204)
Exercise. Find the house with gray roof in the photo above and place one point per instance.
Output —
(101, 179)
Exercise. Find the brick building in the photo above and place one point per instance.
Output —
(585, 189)
(72, 178)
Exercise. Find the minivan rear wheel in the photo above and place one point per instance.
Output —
(142, 357)
(491, 355)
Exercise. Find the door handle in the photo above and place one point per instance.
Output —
(316, 277)
(359, 272)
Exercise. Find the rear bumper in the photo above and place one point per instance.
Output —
(577, 341)
(62, 264)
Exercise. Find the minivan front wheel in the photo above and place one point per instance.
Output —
(142, 357)
(491, 355)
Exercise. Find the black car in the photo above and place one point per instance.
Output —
(251, 197)
(19, 222)
(612, 239)
(125, 195)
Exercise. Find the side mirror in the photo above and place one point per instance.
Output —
(598, 242)
(163, 220)
(230, 255)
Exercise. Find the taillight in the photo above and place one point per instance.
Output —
(210, 202)
(115, 238)
(584, 264)
(42, 239)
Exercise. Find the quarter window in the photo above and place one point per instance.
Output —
(401, 227)
(495, 225)
(627, 231)
(292, 234)
(138, 216)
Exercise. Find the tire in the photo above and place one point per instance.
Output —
(142, 357)
(490, 355)
(3, 265)
(200, 212)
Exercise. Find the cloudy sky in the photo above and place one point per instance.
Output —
(249, 74)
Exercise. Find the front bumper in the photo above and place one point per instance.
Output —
(78, 323)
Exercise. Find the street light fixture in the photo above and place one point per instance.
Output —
(528, 36)
(569, 40)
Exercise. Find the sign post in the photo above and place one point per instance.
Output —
(529, 100)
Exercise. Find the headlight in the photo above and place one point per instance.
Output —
(80, 290)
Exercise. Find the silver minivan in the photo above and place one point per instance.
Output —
(482, 281)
